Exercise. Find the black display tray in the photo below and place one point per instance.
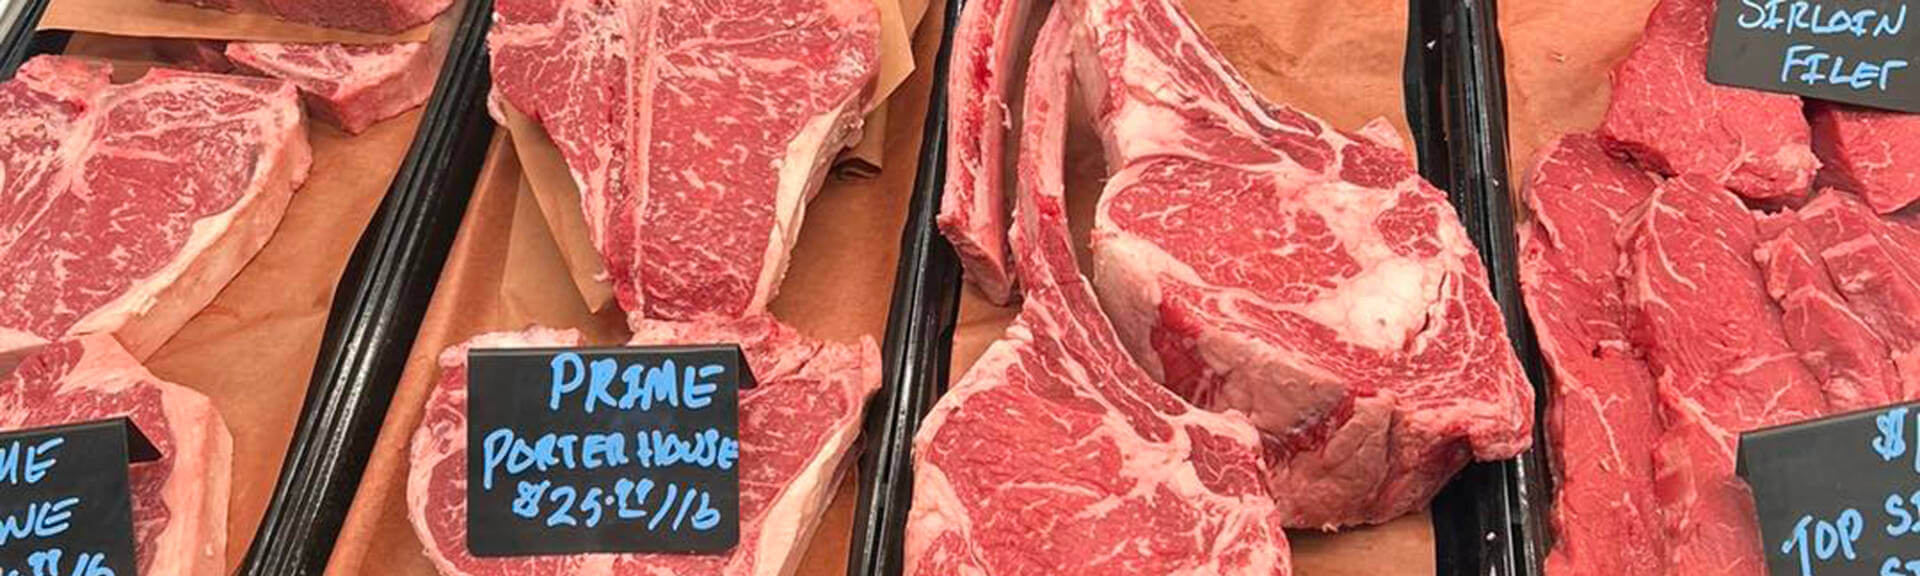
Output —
(376, 311)
(1483, 521)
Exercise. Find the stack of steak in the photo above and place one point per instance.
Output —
(1690, 280)
(696, 132)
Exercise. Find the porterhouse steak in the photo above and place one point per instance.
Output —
(125, 208)
(1055, 453)
(696, 131)
(797, 430)
(1253, 258)
(348, 85)
(180, 500)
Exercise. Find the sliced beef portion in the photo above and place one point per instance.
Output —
(1667, 116)
(1874, 263)
(125, 209)
(1256, 259)
(350, 86)
(1853, 365)
(1871, 152)
(697, 131)
(1717, 348)
(363, 15)
(1055, 453)
(982, 107)
(1601, 416)
(180, 500)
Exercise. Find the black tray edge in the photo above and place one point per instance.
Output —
(376, 313)
(918, 346)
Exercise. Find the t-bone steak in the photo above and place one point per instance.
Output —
(1601, 413)
(1667, 116)
(696, 131)
(180, 500)
(797, 431)
(1873, 153)
(363, 15)
(347, 85)
(982, 106)
(124, 209)
(1253, 258)
(1055, 453)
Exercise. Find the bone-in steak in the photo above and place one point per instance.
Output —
(982, 104)
(1256, 259)
(797, 430)
(125, 209)
(351, 86)
(180, 500)
(1668, 117)
(1055, 453)
(696, 131)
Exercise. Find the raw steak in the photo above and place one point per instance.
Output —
(193, 54)
(1717, 349)
(1874, 264)
(696, 131)
(125, 209)
(350, 86)
(981, 107)
(1601, 417)
(1667, 116)
(1869, 152)
(797, 431)
(180, 500)
(364, 15)
(1055, 454)
(1255, 259)
(1853, 365)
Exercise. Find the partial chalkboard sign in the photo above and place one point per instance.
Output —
(608, 450)
(65, 506)
(1854, 51)
(1838, 496)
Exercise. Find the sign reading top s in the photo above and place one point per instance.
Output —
(1854, 51)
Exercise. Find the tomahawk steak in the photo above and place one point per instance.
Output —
(180, 500)
(1255, 259)
(982, 105)
(1055, 453)
(1874, 153)
(1601, 414)
(347, 85)
(1667, 116)
(797, 428)
(696, 131)
(125, 209)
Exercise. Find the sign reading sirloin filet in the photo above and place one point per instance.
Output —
(1838, 496)
(65, 507)
(1854, 51)
(610, 450)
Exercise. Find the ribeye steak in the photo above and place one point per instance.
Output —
(125, 209)
(1256, 259)
(180, 500)
(1668, 117)
(696, 131)
(797, 431)
(351, 86)
(1055, 453)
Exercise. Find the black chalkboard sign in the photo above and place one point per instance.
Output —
(1856, 51)
(65, 507)
(1838, 496)
(613, 450)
